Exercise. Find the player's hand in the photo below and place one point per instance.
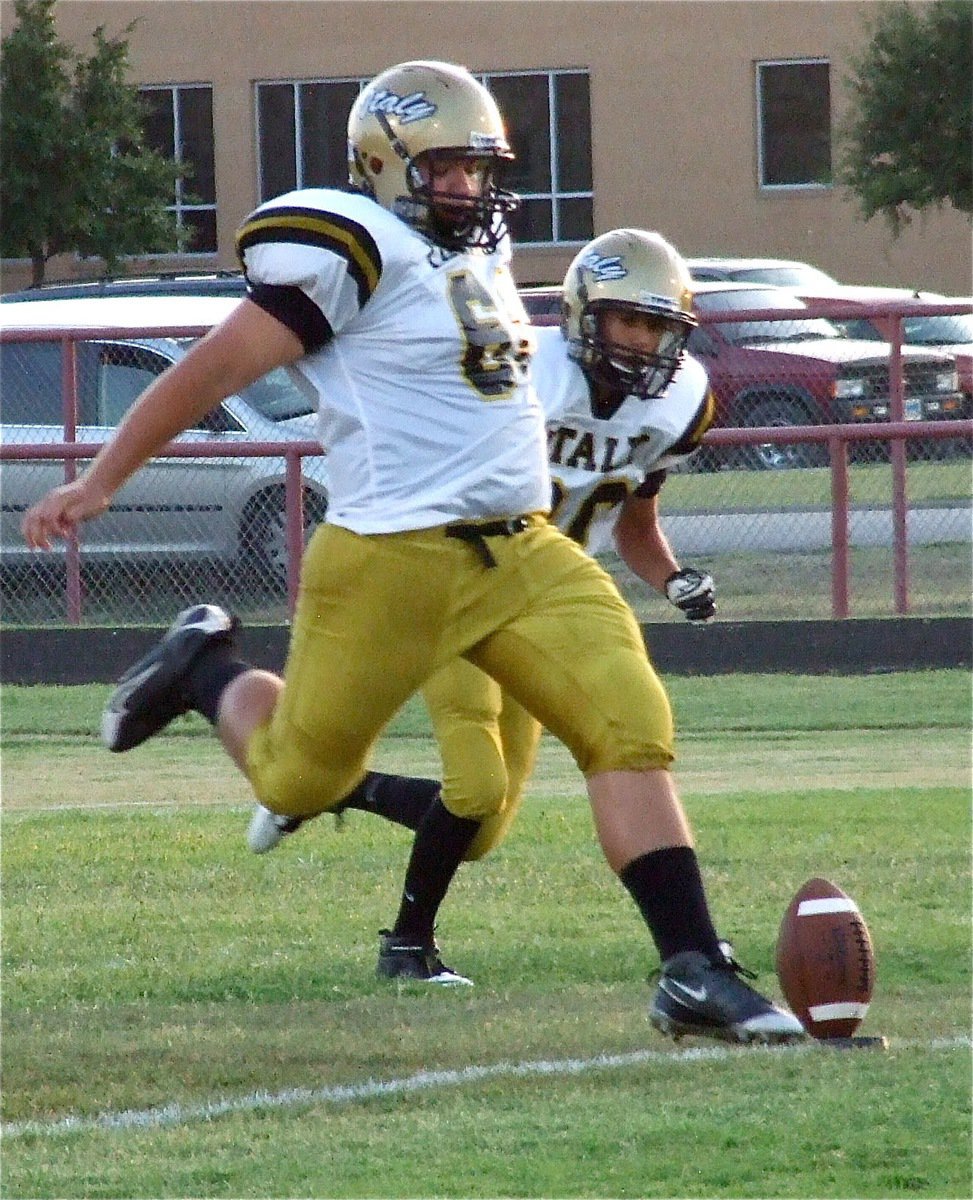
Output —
(693, 593)
(59, 513)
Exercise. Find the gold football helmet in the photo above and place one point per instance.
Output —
(635, 271)
(404, 118)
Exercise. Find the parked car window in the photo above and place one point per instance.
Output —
(124, 371)
(862, 330)
(21, 365)
(701, 342)
(119, 385)
(781, 272)
(791, 276)
(280, 396)
(175, 283)
(942, 330)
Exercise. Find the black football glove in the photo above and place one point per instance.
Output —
(693, 592)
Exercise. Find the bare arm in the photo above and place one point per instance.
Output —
(242, 348)
(642, 543)
(644, 547)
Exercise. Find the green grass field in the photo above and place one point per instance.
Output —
(929, 483)
(183, 1019)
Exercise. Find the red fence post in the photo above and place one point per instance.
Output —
(69, 399)
(900, 537)
(838, 450)
(897, 454)
(294, 509)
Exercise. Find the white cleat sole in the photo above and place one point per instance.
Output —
(263, 833)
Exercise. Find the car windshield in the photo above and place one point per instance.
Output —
(944, 330)
(279, 395)
(743, 333)
(795, 275)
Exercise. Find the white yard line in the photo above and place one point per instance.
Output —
(175, 1113)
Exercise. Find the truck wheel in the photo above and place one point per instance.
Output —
(773, 456)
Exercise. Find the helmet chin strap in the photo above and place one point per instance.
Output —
(397, 144)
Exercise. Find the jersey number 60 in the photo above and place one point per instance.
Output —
(490, 362)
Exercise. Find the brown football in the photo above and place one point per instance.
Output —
(825, 960)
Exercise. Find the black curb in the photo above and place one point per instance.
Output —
(852, 647)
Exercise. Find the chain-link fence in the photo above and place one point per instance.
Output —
(880, 531)
(884, 528)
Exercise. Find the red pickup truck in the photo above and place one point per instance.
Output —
(794, 370)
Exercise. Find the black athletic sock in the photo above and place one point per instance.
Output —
(441, 842)
(668, 888)
(401, 799)
(212, 670)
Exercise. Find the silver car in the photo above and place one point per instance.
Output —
(782, 272)
(226, 508)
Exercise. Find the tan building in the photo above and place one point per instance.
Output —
(713, 122)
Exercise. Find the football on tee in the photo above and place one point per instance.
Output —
(825, 960)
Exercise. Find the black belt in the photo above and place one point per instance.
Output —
(476, 533)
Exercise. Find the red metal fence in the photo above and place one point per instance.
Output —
(891, 442)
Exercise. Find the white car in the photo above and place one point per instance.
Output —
(782, 272)
(229, 509)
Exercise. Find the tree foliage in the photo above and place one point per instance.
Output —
(908, 144)
(76, 174)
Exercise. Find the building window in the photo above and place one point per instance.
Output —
(179, 124)
(301, 129)
(551, 173)
(302, 134)
(794, 124)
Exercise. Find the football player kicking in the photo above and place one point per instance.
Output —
(396, 304)
(624, 403)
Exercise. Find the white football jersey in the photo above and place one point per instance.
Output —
(425, 404)
(596, 463)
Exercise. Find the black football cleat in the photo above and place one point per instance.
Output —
(402, 958)
(153, 692)
(696, 996)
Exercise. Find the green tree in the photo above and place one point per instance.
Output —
(75, 172)
(908, 143)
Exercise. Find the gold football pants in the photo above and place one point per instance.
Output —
(488, 745)
(377, 615)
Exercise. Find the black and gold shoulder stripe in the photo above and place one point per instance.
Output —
(702, 419)
(311, 227)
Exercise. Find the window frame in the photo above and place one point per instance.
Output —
(555, 196)
(295, 86)
(759, 125)
(180, 204)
